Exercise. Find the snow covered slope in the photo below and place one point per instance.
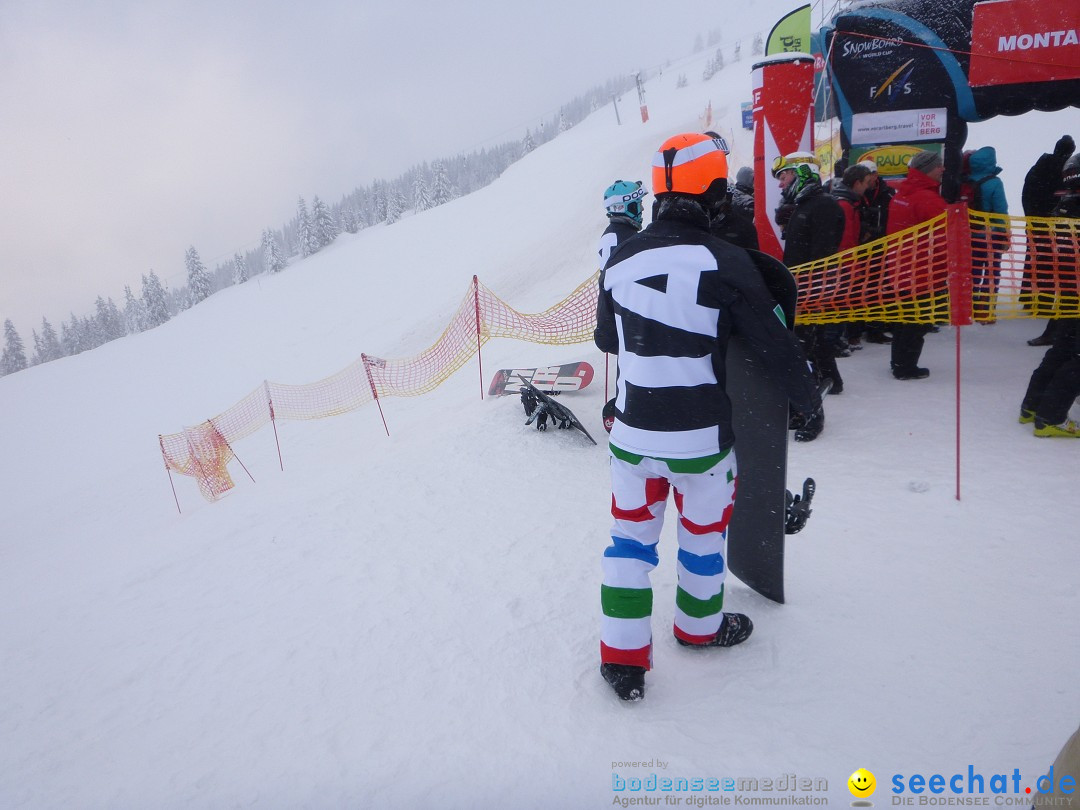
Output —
(412, 621)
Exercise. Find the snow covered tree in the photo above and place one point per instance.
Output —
(395, 205)
(13, 357)
(240, 269)
(563, 124)
(758, 47)
(155, 301)
(527, 143)
(107, 323)
(442, 189)
(275, 261)
(73, 337)
(681, 81)
(198, 279)
(421, 195)
(324, 228)
(50, 344)
(738, 51)
(134, 312)
(305, 231)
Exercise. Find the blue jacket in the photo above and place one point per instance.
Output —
(983, 163)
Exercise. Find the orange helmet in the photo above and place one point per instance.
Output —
(688, 164)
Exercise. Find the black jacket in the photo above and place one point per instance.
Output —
(815, 228)
(669, 298)
(1040, 183)
(875, 212)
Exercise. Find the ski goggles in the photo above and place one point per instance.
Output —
(792, 161)
(721, 144)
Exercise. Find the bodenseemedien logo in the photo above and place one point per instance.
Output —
(862, 785)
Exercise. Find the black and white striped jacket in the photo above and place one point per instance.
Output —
(669, 299)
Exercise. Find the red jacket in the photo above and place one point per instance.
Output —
(852, 222)
(917, 200)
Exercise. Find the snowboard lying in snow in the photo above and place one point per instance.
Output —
(567, 377)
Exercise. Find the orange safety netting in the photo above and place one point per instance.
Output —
(958, 268)
(204, 450)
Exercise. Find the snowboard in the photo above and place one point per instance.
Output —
(567, 377)
(540, 408)
(759, 407)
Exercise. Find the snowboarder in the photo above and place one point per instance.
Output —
(668, 300)
(622, 199)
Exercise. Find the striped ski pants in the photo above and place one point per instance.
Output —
(638, 497)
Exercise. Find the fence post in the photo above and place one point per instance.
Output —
(961, 304)
(374, 392)
(161, 444)
(479, 359)
(273, 422)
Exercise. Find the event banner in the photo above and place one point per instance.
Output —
(783, 123)
(791, 34)
(900, 126)
(1022, 41)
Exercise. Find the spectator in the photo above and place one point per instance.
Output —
(742, 196)
(875, 218)
(987, 244)
(813, 225)
(849, 190)
(917, 200)
(1055, 384)
(1039, 198)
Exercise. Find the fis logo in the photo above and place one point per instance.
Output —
(896, 85)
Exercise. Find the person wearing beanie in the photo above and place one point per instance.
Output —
(1038, 197)
(1055, 384)
(918, 199)
(742, 196)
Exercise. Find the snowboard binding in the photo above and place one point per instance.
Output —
(798, 510)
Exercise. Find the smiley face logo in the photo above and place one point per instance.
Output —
(862, 783)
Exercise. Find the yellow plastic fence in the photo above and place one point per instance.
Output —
(960, 267)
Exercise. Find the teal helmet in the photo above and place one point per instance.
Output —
(623, 198)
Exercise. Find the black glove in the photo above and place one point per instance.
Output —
(1064, 147)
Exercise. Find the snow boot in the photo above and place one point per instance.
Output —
(734, 629)
(1066, 430)
(913, 373)
(1026, 416)
(627, 681)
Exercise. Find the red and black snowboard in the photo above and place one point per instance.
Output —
(550, 379)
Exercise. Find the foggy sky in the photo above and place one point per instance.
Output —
(132, 130)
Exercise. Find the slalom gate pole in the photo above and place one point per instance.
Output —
(479, 359)
(273, 423)
(161, 444)
(959, 329)
(374, 391)
(961, 292)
